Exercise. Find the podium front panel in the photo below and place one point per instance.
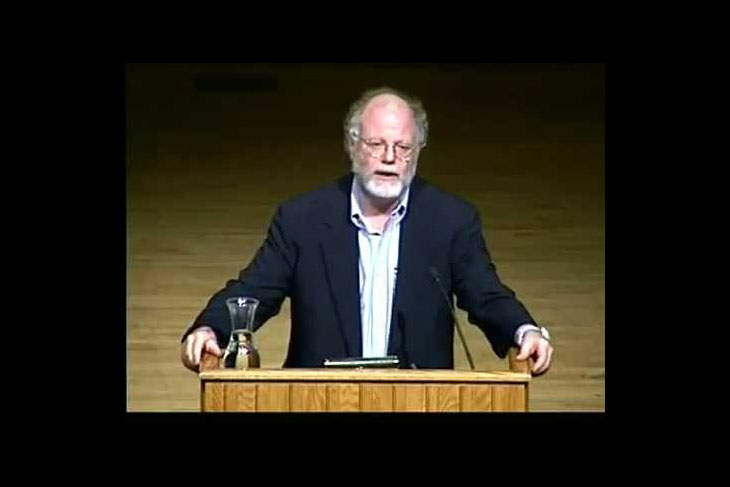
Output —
(315, 390)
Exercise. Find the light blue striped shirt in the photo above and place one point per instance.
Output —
(378, 264)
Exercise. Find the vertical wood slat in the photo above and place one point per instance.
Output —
(508, 398)
(240, 397)
(213, 397)
(476, 398)
(203, 396)
(273, 397)
(409, 398)
(376, 397)
(308, 397)
(343, 397)
(442, 398)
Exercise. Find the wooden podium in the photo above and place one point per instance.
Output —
(363, 390)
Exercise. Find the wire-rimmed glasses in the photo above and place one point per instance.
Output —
(379, 147)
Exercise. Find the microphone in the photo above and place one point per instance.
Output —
(435, 275)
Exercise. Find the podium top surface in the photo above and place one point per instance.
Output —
(363, 375)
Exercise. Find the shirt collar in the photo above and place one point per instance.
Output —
(356, 196)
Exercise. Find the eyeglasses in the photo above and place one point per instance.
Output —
(378, 148)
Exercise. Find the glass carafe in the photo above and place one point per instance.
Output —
(241, 352)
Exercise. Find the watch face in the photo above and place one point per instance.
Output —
(545, 333)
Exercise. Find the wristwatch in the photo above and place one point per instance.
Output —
(525, 328)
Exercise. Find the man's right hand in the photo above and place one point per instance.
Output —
(192, 348)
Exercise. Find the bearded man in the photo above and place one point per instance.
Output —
(366, 260)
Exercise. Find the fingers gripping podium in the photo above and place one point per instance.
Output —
(364, 390)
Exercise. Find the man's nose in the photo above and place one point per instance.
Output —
(389, 156)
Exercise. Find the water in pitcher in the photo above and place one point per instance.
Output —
(241, 352)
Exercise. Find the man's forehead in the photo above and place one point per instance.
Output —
(387, 107)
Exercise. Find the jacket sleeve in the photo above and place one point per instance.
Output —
(267, 278)
(490, 305)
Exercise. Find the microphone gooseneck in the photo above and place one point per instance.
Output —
(435, 275)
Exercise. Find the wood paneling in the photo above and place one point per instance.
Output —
(214, 396)
(311, 391)
(442, 398)
(409, 397)
(476, 398)
(343, 397)
(308, 397)
(273, 397)
(240, 397)
(508, 398)
(376, 397)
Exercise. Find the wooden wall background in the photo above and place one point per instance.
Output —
(213, 148)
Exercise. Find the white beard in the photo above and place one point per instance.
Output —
(381, 189)
(376, 188)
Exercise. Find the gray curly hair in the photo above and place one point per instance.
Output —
(353, 119)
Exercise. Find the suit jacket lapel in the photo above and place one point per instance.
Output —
(340, 255)
(414, 227)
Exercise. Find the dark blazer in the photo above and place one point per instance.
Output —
(311, 255)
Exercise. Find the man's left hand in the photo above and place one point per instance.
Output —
(539, 349)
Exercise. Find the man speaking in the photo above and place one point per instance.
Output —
(366, 260)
